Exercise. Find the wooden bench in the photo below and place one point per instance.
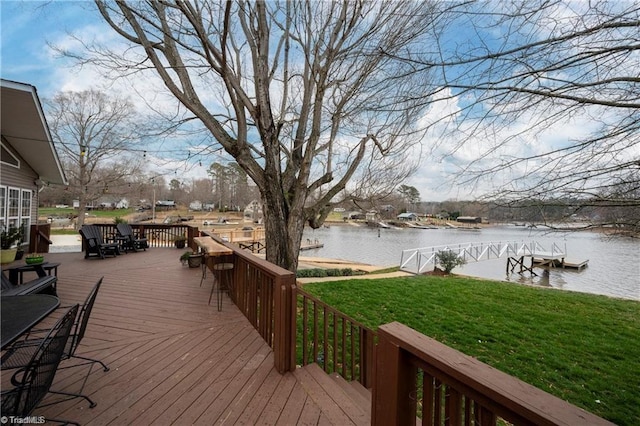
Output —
(46, 285)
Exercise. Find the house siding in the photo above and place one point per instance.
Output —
(22, 178)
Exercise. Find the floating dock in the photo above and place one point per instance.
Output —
(566, 264)
(311, 244)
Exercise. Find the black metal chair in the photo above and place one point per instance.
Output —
(80, 327)
(33, 381)
(131, 241)
(94, 245)
(15, 355)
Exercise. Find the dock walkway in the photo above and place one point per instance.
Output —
(421, 260)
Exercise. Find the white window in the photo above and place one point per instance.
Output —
(3, 206)
(15, 209)
(25, 214)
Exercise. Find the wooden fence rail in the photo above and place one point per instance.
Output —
(157, 234)
(334, 341)
(419, 376)
(266, 294)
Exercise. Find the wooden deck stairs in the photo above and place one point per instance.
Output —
(340, 402)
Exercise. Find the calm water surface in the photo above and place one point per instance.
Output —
(613, 270)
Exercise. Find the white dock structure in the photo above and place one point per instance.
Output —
(421, 260)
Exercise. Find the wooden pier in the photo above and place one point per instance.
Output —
(543, 258)
(311, 244)
(551, 259)
(565, 264)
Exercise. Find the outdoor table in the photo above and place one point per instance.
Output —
(42, 269)
(21, 313)
(211, 247)
(214, 251)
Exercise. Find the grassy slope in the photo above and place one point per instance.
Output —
(582, 348)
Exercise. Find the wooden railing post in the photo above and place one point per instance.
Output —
(284, 330)
(367, 342)
(395, 383)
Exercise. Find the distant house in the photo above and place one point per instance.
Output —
(469, 219)
(28, 158)
(123, 203)
(354, 215)
(195, 206)
(409, 217)
(253, 211)
(165, 205)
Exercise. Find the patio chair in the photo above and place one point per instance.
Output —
(16, 354)
(131, 241)
(94, 245)
(32, 382)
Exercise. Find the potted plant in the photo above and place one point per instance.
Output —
(8, 238)
(180, 241)
(194, 260)
(34, 259)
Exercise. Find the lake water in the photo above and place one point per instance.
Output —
(614, 264)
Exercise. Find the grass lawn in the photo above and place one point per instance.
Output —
(110, 214)
(580, 347)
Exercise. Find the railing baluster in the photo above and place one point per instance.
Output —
(428, 399)
(325, 339)
(305, 330)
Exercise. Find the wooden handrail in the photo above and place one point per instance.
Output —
(157, 234)
(335, 341)
(456, 387)
(265, 293)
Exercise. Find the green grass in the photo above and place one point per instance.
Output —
(56, 212)
(582, 348)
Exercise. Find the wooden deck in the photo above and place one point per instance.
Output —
(175, 360)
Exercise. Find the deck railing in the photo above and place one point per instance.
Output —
(265, 294)
(419, 376)
(334, 341)
(410, 374)
(157, 234)
(238, 235)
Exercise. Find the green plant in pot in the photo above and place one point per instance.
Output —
(34, 259)
(9, 237)
(180, 241)
(194, 260)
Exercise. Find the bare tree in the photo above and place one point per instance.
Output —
(521, 68)
(299, 93)
(94, 132)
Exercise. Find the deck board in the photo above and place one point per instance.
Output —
(173, 358)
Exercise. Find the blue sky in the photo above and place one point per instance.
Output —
(28, 28)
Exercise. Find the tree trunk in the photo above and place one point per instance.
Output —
(284, 229)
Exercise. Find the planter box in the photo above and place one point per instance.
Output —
(8, 255)
(195, 261)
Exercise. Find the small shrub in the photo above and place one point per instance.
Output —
(119, 219)
(448, 260)
(346, 272)
(321, 272)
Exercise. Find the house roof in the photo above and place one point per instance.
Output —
(24, 126)
(407, 215)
